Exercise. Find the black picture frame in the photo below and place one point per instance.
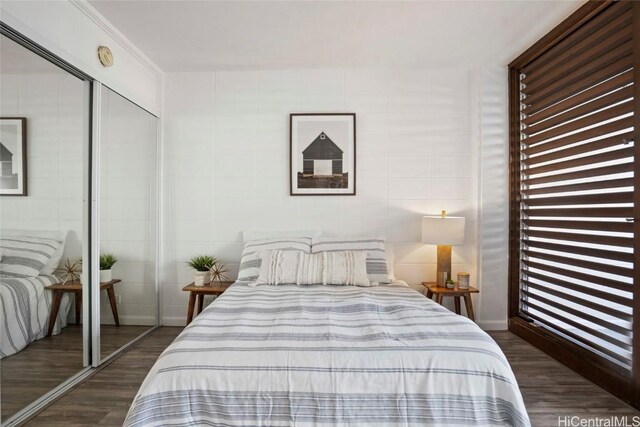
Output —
(13, 183)
(322, 154)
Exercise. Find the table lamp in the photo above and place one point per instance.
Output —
(444, 231)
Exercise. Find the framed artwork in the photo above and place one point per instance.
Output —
(13, 156)
(322, 154)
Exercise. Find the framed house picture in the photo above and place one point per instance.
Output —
(13, 156)
(322, 154)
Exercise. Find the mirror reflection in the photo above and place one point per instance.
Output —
(42, 142)
(127, 221)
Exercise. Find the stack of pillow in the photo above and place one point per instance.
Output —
(29, 255)
(311, 259)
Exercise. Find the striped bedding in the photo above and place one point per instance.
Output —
(329, 355)
(25, 305)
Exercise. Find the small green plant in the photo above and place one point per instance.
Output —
(202, 262)
(107, 261)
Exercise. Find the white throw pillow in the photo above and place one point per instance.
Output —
(374, 246)
(326, 268)
(26, 256)
(251, 261)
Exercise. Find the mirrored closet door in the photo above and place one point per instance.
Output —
(44, 152)
(127, 228)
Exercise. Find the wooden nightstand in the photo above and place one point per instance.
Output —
(440, 292)
(214, 288)
(76, 287)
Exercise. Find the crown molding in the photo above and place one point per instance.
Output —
(102, 22)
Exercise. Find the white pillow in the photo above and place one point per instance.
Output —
(326, 268)
(54, 261)
(251, 261)
(374, 246)
(26, 256)
(260, 235)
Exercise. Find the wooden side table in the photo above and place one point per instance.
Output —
(456, 293)
(76, 287)
(214, 288)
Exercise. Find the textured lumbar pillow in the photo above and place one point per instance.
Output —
(328, 268)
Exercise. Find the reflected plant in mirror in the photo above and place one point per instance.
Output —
(106, 262)
(219, 271)
(70, 271)
(202, 264)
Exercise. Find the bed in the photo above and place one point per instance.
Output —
(25, 305)
(27, 262)
(329, 355)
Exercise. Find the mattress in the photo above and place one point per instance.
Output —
(329, 355)
(25, 305)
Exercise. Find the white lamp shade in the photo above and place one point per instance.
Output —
(443, 231)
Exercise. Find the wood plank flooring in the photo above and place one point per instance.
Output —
(48, 362)
(549, 388)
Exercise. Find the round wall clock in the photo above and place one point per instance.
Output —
(105, 56)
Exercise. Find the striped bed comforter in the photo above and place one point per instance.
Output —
(25, 305)
(329, 355)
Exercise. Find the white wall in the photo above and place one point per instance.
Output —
(53, 105)
(73, 30)
(226, 163)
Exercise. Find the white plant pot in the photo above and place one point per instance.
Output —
(105, 276)
(201, 278)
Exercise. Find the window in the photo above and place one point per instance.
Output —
(573, 237)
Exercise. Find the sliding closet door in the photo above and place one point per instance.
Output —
(126, 184)
(573, 193)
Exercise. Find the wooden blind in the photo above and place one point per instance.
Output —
(576, 187)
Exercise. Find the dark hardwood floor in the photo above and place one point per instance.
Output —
(48, 362)
(549, 389)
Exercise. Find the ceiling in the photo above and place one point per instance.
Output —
(184, 35)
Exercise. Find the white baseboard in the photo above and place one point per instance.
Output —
(493, 325)
(130, 320)
(174, 321)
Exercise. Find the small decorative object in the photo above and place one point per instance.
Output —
(450, 284)
(105, 56)
(219, 272)
(322, 154)
(106, 262)
(463, 280)
(70, 271)
(444, 231)
(13, 156)
(202, 264)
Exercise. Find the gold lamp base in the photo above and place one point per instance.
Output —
(443, 271)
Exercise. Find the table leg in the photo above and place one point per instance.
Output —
(200, 302)
(429, 294)
(469, 305)
(192, 304)
(78, 306)
(112, 300)
(55, 306)
(456, 301)
(439, 298)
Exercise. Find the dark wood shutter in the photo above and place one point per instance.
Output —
(573, 239)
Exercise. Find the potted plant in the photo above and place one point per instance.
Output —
(202, 265)
(106, 262)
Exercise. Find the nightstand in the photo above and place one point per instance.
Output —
(213, 288)
(456, 293)
(76, 288)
